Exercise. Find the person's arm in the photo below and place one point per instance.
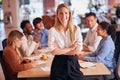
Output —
(101, 54)
(59, 51)
(85, 43)
(97, 40)
(85, 48)
(91, 46)
(75, 48)
(79, 39)
(45, 43)
(14, 62)
(54, 47)
(28, 46)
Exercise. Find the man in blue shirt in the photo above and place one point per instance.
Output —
(41, 31)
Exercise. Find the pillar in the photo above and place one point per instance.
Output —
(11, 13)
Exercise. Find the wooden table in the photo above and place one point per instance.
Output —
(100, 69)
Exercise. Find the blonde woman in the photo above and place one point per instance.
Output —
(65, 42)
(12, 58)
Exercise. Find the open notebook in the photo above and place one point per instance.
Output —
(87, 65)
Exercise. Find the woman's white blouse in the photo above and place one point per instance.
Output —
(61, 39)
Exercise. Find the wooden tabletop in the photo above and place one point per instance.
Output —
(100, 69)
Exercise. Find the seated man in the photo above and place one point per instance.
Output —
(92, 39)
(40, 31)
(29, 45)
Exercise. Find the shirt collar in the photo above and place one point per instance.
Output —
(95, 27)
(108, 37)
(39, 33)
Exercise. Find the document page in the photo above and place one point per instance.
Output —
(87, 65)
(46, 68)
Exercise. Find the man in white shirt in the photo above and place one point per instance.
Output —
(92, 39)
(29, 45)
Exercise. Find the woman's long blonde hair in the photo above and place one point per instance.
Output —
(13, 35)
(71, 26)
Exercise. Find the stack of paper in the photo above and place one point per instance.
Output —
(87, 65)
(40, 62)
(46, 68)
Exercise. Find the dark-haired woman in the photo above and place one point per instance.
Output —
(105, 50)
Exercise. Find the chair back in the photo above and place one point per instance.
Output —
(3, 66)
(4, 43)
(117, 56)
(117, 70)
(117, 46)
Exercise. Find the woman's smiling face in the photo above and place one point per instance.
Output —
(63, 15)
(100, 31)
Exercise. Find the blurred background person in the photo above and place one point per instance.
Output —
(105, 50)
(92, 39)
(41, 31)
(12, 58)
(29, 45)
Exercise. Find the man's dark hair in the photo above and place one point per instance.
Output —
(23, 23)
(36, 21)
(90, 14)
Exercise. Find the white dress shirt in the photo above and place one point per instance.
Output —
(62, 39)
(92, 40)
(28, 46)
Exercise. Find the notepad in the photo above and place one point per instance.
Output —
(87, 65)
(40, 62)
(46, 68)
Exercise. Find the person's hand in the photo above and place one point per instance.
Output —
(75, 45)
(40, 46)
(85, 48)
(26, 61)
(56, 45)
(34, 63)
(80, 57)
(37, 38)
